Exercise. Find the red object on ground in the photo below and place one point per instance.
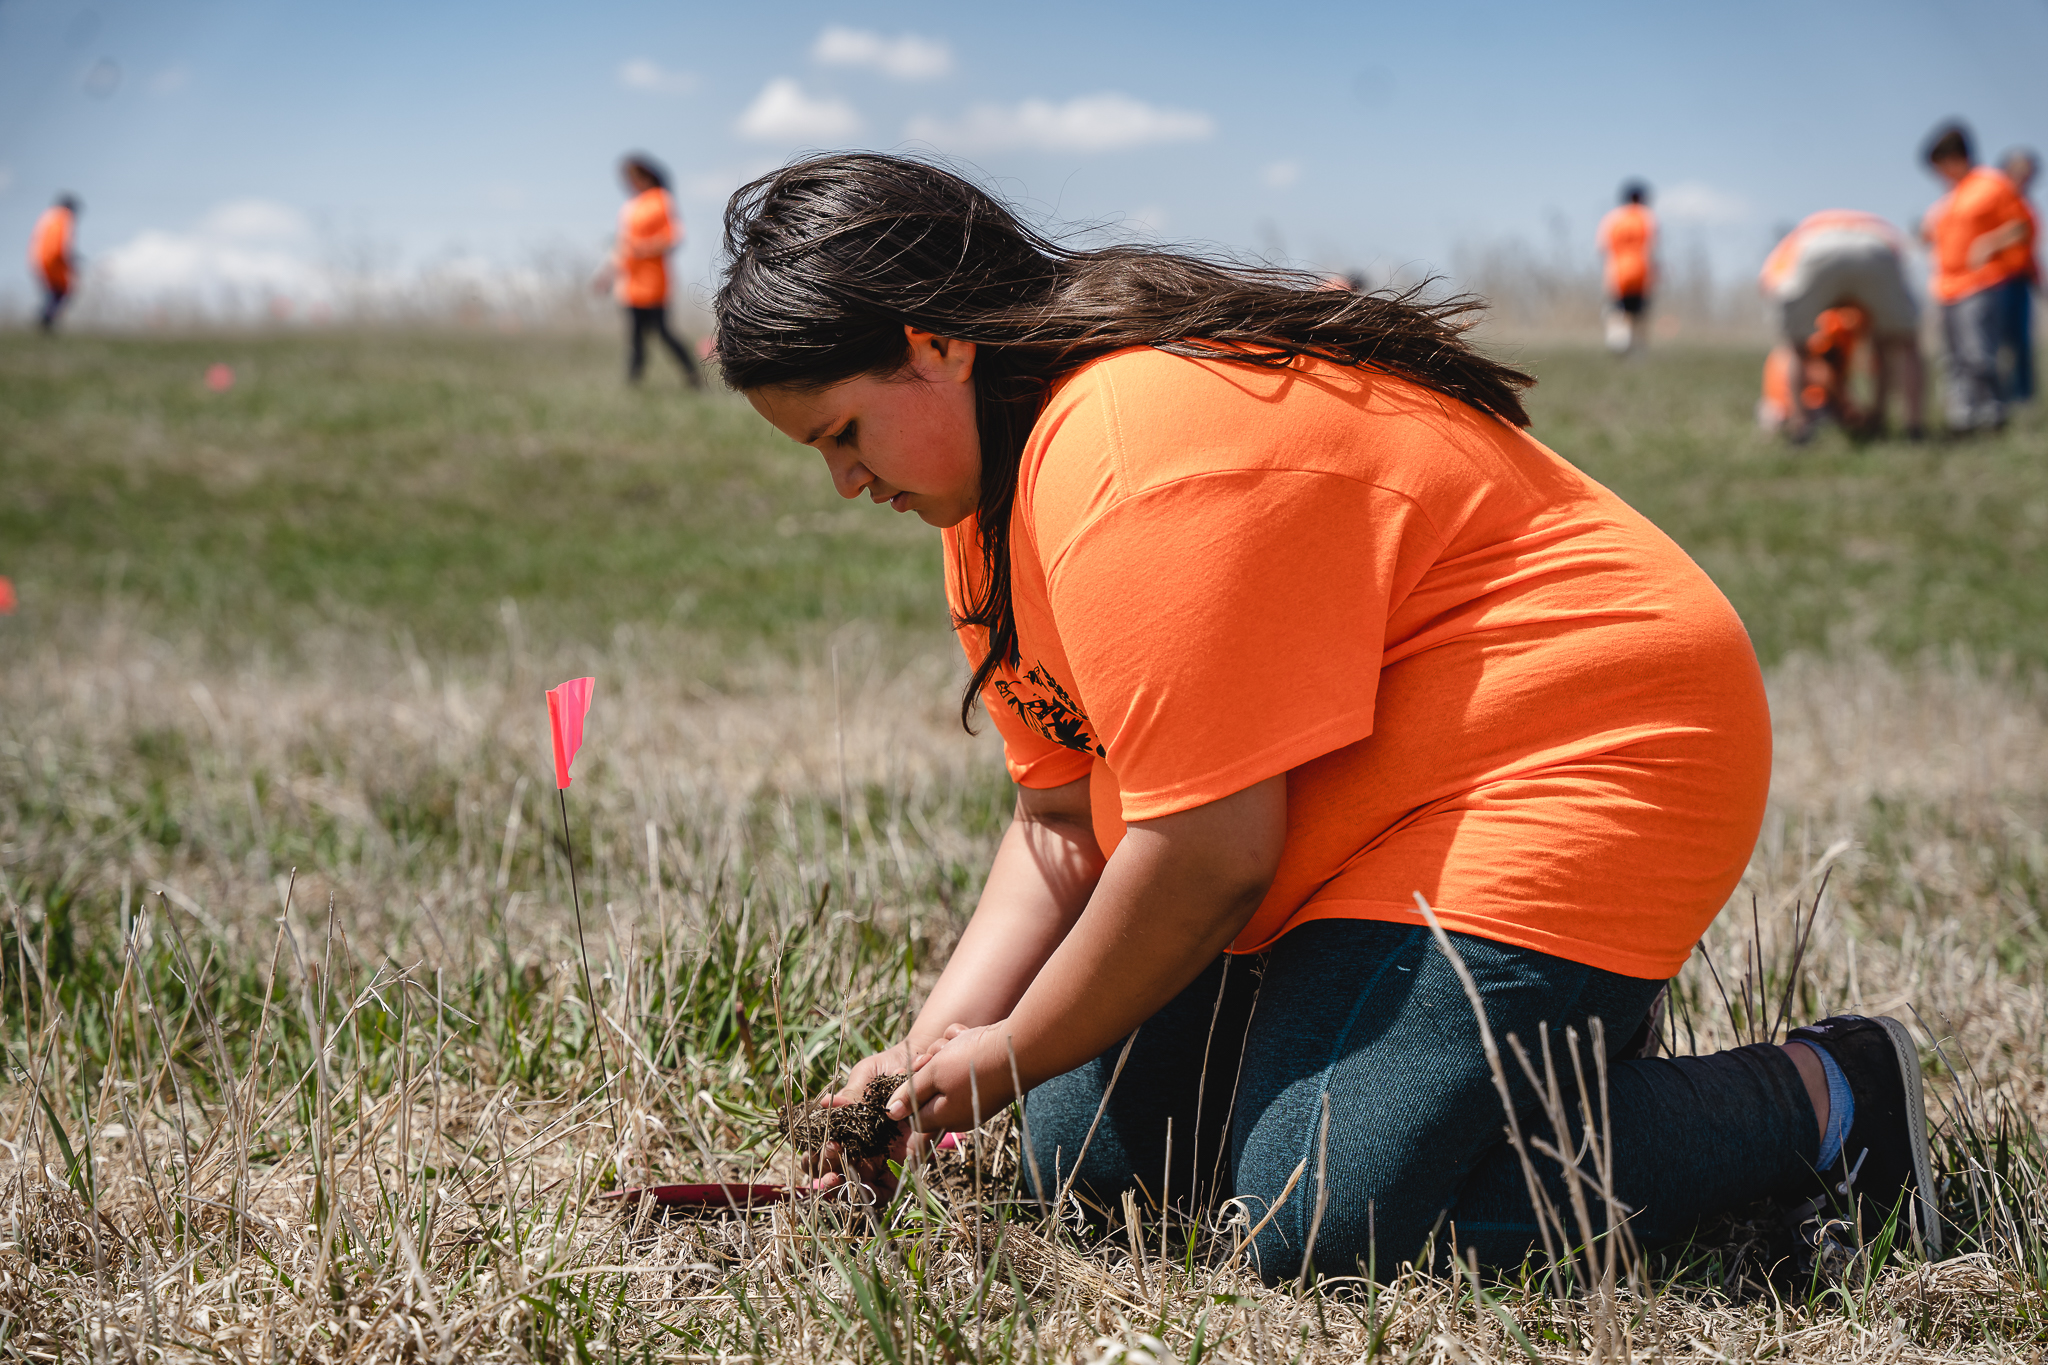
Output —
(220, 378)
(567, 706)
(713, 1196)
(7, 601)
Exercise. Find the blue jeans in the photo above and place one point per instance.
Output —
(1971, 330)
(1372, 1015)
(2016, 330)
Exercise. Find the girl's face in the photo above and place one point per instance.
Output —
(907, 439)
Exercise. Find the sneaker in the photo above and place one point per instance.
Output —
(1884, 1168)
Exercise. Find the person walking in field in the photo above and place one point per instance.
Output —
(1846, 268)
(1285, 622)
(1982, 236)
(1628, 239)
(649, 231)
(2016, 304)
(52, 257)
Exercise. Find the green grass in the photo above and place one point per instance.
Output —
(412, 482)
(1893, 546)
(262, 637)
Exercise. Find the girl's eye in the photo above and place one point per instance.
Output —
(845, 436)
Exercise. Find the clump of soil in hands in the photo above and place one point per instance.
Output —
(862, 1129)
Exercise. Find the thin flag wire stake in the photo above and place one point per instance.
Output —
(567, 707)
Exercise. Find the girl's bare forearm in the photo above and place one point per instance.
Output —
(1038, 885)
(1175, 894)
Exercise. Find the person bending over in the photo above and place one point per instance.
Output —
(649, 230)
(1285, 620)
(1837, 260)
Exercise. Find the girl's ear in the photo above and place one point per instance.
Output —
(939, 360)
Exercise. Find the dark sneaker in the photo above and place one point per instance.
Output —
(1884, 1166)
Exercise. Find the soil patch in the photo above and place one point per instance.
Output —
(862, 1129)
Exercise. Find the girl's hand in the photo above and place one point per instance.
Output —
(963, 1080)
(931, 1049)
(830, 1161)
(893, 1061)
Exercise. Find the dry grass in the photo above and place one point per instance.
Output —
(360, 1115)
(362, 1118)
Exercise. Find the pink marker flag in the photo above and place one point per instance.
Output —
(6, 596)
(567, 706)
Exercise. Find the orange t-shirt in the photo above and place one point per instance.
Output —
(1837, 332)
(648, 231)
(1487, 678)
(1776, 404)
(1778, 266)
(49, 247)
(1628, 235)
(1984, 201)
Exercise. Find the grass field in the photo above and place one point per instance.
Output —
(299, 1067)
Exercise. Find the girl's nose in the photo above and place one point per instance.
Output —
(848, 476)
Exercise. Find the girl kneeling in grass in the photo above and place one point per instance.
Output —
(1283, 619)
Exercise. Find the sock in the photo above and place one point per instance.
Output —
(1841, 1111)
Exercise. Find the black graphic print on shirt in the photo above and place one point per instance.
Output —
(1041, 703)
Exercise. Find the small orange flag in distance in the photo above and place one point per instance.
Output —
(567, 706)
(6, 596)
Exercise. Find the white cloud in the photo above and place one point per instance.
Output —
(1086, 123)
(907, 56)
(641, 74)
(1689, 201)
(169, 81)
(241, 249)
(782, 112)
(1280, 174)
(255, 220)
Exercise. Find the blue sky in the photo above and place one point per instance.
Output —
(1368, 135)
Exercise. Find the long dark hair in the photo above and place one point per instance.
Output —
(828, 258)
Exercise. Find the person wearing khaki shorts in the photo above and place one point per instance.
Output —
(1838, 257)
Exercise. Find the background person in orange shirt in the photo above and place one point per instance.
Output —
(1824, 368)
(1628, 238)
(1982, 237)
(2017, 294)
(1838, 278)
(1286, 621)
(649, 230)
(52, 258)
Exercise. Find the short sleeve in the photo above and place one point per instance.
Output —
(1031, 759)
(1227, 627)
